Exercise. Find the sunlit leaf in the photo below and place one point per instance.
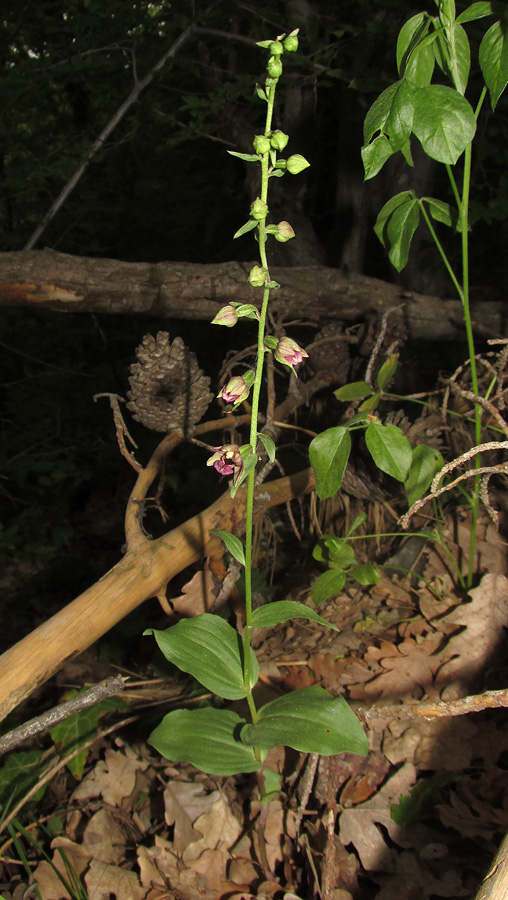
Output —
(275, 613)
(390, 449)
(328, 454)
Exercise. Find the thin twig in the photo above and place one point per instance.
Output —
(121, 428)
(90, 697)
(461, 707)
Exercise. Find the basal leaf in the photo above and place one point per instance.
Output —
(309, 720)
(275, 613)
(328, 454)
(444, 122)
(493, 56)
(207, 738)
(390, 449)
(208, 648)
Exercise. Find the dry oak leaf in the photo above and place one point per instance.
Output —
(104, 839)
(102, 880)
(113, 778)
(408, 671)
(437, 744)
(45, 877)
(484, 620)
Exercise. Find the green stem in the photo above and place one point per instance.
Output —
(441, 250)
(256, 390)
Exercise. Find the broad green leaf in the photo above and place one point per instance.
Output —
(493, 57)
(390, 449)
(328, 454)
(415, 56)
(454, 60)
(378, 113)
(208, 648)
(387, 371)
(375, 154)
(327, 585)
(275, 613)
(365, 573)
(309, 720)
(268, 444)
(444, 122)
(475, 11)
(233, 544)
(441, 212)
(425, 464)
(392, 115)
(396, 225)
(207, 738)
(355, 390)
(249, 226)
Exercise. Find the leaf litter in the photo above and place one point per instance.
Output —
(420, 817)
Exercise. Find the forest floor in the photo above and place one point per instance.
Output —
(421, 817)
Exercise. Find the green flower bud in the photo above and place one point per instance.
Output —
(276, 48)
(261, 144)
(291, 42)
(274, 67)
(246, 311)
(259, 210)
(226, 316)
(271, 343)
(257, 277)
(284, 232)
(297, 164)
(278, 140)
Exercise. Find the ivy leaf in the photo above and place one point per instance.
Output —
(444, 122)
(493, 57)
(328, 454)
(207, 738)
(390, 449)
(233, 544)
(208, 648)
(309, 720)
(275, 613)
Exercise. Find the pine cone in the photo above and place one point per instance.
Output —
(168, 389)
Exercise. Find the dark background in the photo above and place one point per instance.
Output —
(164, 188)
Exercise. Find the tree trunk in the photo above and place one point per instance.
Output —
(193, 291)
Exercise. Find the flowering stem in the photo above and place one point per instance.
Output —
(256, 390)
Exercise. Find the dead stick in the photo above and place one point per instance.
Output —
(47, 720)
(475, 703)
(141, 574)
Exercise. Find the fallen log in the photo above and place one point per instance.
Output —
(143, 572)
(182, 290)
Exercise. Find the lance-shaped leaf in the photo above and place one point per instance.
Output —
(233, 544)
(208, 648)
(415, 55)
(494, 59)
(275, 613)
(309, 720)
(328, 454)
(443, 122)
(390, 449)
(207, 738)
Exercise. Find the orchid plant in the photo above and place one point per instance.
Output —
(214, 738)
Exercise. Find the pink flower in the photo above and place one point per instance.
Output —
(288, 352)
(227, 460)
(237, 389)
